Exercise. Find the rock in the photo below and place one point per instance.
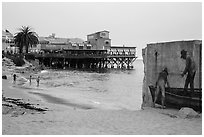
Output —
(4, 77)
(186, 112)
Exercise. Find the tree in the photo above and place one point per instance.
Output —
(25, 38)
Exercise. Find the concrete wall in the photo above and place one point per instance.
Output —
(168, 55)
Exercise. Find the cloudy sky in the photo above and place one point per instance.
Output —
(131, 24)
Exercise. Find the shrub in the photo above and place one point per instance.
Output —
(18, 61)
(16, 58)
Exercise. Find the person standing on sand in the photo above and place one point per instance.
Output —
(38, 81)
(160, 86)
(190, 69)
(14, 78)
(30, 79)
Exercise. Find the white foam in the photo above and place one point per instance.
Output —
(44, 71)
(96, 102)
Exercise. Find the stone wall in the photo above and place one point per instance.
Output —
(156, 56)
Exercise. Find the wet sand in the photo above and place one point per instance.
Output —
(56, 100)
(64, 117)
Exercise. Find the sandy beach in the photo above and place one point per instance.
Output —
(63, 117)
(102, 68)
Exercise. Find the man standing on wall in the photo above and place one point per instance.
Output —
(190, 69)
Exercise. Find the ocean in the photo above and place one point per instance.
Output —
(113, 89)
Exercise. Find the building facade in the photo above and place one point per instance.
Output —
(54, 43)
(99, 40)
(96, 41)
(8, 41)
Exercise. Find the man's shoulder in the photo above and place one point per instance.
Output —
(163, 74)
(189, 57)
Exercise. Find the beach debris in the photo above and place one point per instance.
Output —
(22, 104)
(170, 115)
(8, 105)
(186, 112)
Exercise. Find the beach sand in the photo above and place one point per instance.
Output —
(68, 118)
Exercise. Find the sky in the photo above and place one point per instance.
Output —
(129, 23)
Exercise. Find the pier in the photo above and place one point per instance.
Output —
(94, 53)
(116, 57)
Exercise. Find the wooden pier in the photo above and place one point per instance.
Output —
(88, 59)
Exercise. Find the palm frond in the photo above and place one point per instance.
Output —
(26, 38)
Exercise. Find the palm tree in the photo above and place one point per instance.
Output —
(25, 38)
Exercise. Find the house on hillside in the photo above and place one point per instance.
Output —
(8, 44)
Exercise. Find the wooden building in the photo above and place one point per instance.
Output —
(99, 40)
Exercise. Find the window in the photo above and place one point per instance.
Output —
(107, 42)
(104, 35)
(74, 44)
(91, 37)
(81, 44)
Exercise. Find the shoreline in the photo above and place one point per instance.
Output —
(67, 117)
(72, 120)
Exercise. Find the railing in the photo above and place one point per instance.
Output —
(76, 55)
(83, 55)
(66, 55)
(121, 55)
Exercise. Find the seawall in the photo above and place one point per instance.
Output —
(156, 56)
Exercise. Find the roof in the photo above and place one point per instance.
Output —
(76, 40)
(98, 32)
(6, 33)
(61, 40)
(122, 47)
(74, 49)
(174, 41)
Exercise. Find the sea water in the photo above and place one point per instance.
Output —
(111, 89)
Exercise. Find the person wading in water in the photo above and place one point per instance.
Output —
(14, 78)
(38, 81)
(30, 79)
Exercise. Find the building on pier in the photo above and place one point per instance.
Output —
(54, 43)
(99, 40)
(96, 52)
